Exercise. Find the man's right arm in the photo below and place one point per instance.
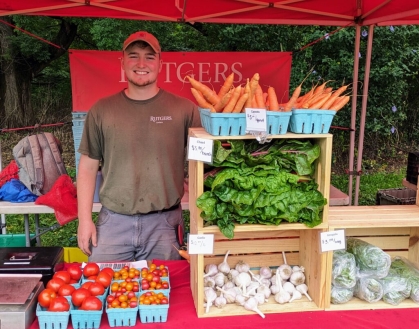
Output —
(86, 182)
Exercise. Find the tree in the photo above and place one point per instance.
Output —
(22, 59)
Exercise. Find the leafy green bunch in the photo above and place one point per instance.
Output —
(267, 184)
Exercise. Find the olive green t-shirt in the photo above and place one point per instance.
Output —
(141, 146)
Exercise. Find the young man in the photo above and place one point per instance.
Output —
(138, 136)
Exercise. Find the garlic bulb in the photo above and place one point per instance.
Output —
(209, 282)
(264, 290)
(210, 270)
(265, 272)
(224, 267)
(297, 278)
(242, 266)
(232, 274)
(289, 287)
(303, 289)
(295, 295)
(209, 295)
(220, 301)
(220, 279)
(282, 296)
(240, 300)
(252, 305)
(228, 285)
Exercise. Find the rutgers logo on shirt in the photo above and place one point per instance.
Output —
(161, 119)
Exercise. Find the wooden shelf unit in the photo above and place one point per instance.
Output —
(393, 228)
(262, 245)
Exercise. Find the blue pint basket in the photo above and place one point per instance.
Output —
(277, 122)
(52, 320)
(307, 121)
(81, 319)
(223, 124)
(122, 317)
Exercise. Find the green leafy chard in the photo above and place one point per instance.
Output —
(267, 184)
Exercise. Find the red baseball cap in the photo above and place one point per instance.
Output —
(143, 36)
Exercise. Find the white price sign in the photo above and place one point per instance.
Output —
(201, 244)
(200, 149)
(333, 240)
(256, 120)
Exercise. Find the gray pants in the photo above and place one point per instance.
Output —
(136, 237)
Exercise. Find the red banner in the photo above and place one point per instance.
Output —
(96, 74)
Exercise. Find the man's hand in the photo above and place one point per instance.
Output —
(86, 232)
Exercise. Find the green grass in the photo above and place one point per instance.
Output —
(369, 185)
(66, 236)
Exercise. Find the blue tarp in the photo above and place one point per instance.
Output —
(15, 191)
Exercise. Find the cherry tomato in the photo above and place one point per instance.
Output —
(63, 275)
(55, 284)
(145, 286)
(45, 296)
(78, 296)
(59, 304)
(91, 303)
(75, 272)
(66, 290)
(96, 289)
(91, 269)
(133, 304)
(110, 299)
(164, 301)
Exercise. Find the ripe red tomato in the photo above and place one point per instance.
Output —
(104, 279)
(63, 275)
(91, 269)
(145, 286)
(108, 270)
(79, 295)
(110, 299)
(165, 285)
(59, 304)
(45, 297)
(91, 303)
(133, 304)
(96, 289)
(66, 290)
(55, 284)
(75, 272)
(164, 300)
(86, 284)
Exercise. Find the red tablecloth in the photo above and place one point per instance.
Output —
(182, 313)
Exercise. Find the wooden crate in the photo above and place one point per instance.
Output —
(261, 245)
(393, 228)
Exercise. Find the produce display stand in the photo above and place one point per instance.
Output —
(393, 228)
(261, 245)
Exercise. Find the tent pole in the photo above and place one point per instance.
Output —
(364, 110)
(353, 110)
(3, 217)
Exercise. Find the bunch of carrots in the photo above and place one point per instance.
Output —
(231, 99)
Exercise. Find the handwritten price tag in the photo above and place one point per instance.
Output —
(200, 149)
(201, 244)
(334, 240)
(255, 119)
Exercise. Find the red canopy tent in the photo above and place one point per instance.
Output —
(355, 13)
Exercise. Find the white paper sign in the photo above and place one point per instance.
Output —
(255, 119)
(333, 240)
(200, 149)
(200, 244)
